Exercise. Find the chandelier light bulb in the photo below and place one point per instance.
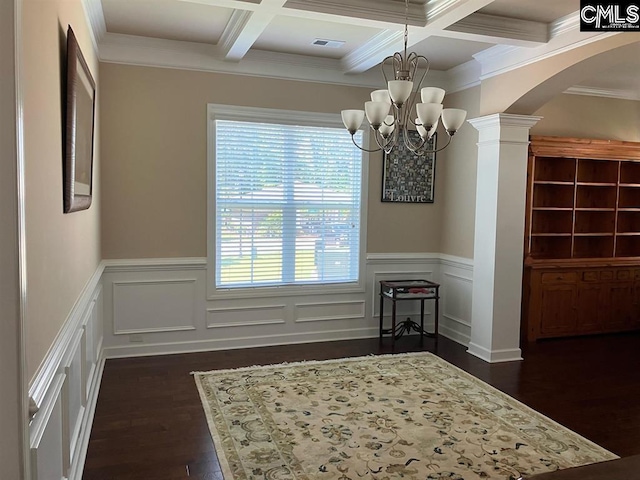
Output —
(387, 126)
(432, 95)
(428, 113)
(376, 112)
(352, 120)
(452, 119)
(381, 96)
(400, 90)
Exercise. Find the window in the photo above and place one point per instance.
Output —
(288, 202)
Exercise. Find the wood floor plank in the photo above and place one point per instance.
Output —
(149, 423)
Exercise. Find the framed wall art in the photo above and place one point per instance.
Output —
(79, 129)
(407, 177)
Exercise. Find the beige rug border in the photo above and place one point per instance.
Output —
(222, 457)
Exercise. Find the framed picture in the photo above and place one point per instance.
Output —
(407, 177)
(79, 127)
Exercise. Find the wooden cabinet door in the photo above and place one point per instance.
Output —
(592, 305)
(622, 307)
(558, 310)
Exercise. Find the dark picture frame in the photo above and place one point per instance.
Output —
(407, 177)
(79, 129)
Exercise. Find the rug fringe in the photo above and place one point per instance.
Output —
(312, 362)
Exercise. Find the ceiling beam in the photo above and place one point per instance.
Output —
(439, 15)
(479, 27)
(381, 14)
(245, 27)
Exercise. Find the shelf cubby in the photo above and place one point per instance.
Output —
(630, 172)
(628, 246)
(593, 246)
(544, 247)
(629, 197)
(594, 221)
(629, 221)
(551, 221)
(551, 195)
(597, 171)
(556, 169)
(596, 196)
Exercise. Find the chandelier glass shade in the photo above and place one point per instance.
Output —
(395, 111)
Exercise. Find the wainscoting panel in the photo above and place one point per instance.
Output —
(457, 283)
(65, 390)
(47, 435)
(246, 316)
(329, 311)
(147, 306)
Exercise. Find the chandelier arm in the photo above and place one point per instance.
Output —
(382, 65)
(362, 148)
(409, 143)
(424, 152)
(383, 145)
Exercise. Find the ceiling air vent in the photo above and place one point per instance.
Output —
(328, 43)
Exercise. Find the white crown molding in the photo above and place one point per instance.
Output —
(502, 58)
(373, 52)
(154, 52)
(603, 92)
(95, 20)
(511, 31)
(568, 23)
(464, 76)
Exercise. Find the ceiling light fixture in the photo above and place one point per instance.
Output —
(393, 112)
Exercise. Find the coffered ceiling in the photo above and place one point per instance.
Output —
(330, 40)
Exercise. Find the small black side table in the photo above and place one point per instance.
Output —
(397, 290)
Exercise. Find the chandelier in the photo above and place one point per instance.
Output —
(393, 112)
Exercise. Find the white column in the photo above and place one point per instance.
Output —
(499, 235)
(14, 441)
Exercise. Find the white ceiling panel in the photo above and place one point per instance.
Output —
(296, 35)
(445, 53)
(168, 19)
(535, 10)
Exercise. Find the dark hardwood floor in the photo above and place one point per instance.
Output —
(149, 423)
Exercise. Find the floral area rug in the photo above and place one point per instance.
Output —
(409, 416)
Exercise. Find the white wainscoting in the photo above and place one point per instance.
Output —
(159, 306)
(457, 281)
(65, 390)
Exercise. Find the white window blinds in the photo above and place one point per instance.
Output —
(287, 205)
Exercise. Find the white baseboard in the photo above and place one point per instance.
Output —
(495, 356)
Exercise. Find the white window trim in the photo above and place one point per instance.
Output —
(283, 117)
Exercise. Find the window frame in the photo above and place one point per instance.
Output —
(281, 117)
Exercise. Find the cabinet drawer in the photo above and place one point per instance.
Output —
(559, 277)
(637, 274)
(623, 275)
(590, 276)
(606, 275)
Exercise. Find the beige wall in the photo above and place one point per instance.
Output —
(589, 117)
(457, 165)
(63, 250)
(154, 159)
